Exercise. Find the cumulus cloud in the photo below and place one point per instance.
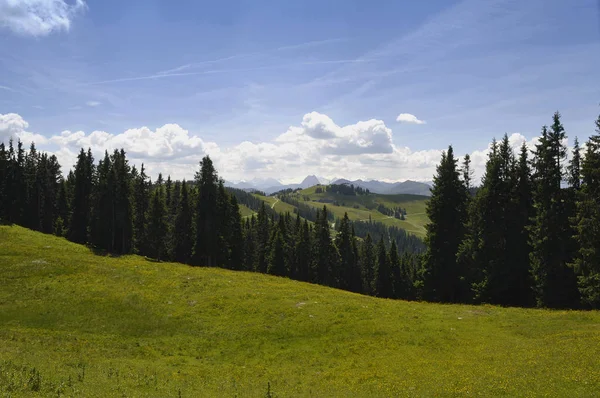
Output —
(316, 145)
(38, 17)
(13, 126)
(409, 118)
(319, 131)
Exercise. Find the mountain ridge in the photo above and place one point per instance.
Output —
(271, 185)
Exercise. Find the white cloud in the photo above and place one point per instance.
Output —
(409, 118)
(316, 146)
(14, 126)
(38, 17)
(93, 103)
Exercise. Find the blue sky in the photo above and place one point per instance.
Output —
(213, 75)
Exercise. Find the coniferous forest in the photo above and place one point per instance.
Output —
(528, 235)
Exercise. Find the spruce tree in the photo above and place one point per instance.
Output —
(554, 282)
(398, 281)
(262, 240)
(102, 227)
(586, 224)
(447, 210)
(303, 250)
(277, 259)
(157, 226)
(250, 243)
(141, 204)
(383, 273)
(19, 187)
(223, 228)
(4, 164)
(520, 213)
(82, 193)
(206, 242)
(32, 204)
(123, 209)
(325, 254)
(348, 264)
(236, 237)
(574, 168)
(183, 229)
(367, 265)
(62, 209)
(50, 181)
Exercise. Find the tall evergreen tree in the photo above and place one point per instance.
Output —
(102, 227)
(383, 273)
(62, 209)
(399, 280)
(223, 227)
(553, 281)
(349, 270)
(141, 204)
(183, 229)
(277, 259)
(82, 193)
(123, 209)
(262, 240)
(574, 168)
(250, 243)
(236, 235)
(157, 226)
(326, 256)
(467, 173)
(367, 265)
(303, 250)
(520, 213)
(587, 224)
(446, 209)
(4, 165)
(50, 181)
(32, 204)
(206, 243)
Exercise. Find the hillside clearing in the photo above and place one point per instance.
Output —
(78, 324)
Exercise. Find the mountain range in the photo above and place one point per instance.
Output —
(271, 185)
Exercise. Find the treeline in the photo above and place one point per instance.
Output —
(346, 189)
(115, 208)
(305, 251)
(529, 236)
(396, 212)
(404, 241)
(303, 210)
(250, 201)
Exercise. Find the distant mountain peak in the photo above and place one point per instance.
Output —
(310, 181)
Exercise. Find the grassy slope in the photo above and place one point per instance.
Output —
(99, 327)
(414, 204)
(246, 211)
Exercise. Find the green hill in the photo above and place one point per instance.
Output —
(82, 325)
(365, 207)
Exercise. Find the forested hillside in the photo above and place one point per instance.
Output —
(115, 208)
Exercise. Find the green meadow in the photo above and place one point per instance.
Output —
(77, 324)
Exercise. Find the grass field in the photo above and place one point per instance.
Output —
(276, 204)
(414, 223)
(245, 211)
(76, 324)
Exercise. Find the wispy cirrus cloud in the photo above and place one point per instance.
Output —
(7, 88)
(38, 17)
